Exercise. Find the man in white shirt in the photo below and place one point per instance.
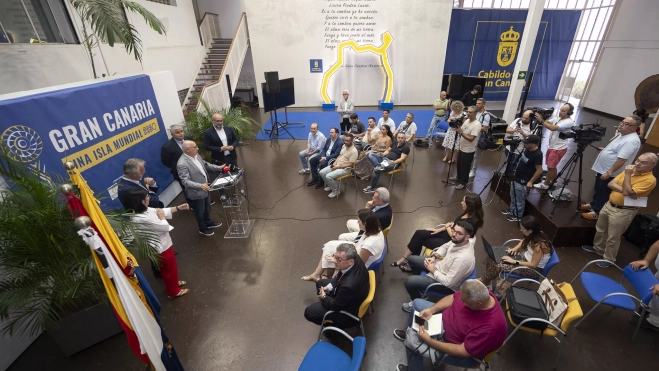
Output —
(484, 118)
(346, 106)
(370, 136)
(315, 142)
(457, 264)
(468, 133)
(557, 147)
(408, 127)
(518, 130)
(386, 120)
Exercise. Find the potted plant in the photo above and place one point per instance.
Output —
(50, 282)
(197, 121)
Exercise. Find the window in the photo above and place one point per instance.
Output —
(34, 21)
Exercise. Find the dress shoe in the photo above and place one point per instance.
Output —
(312, 182)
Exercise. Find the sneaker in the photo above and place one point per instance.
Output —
(460, 186)
(512, 218)
(590, 215)
(212, 203)
(453, 178)
(540, 186)
(327, 189)
(213, 225)
(591, 249)
(646, 324)
(505, 212)
(304, 171)
(472, 174)
(312, 183)
(368, 189)
(401, 367)
(603, 264)
(400, 334)
(207, 232)
(407, 307)
(431, 144)
(585, 207)
(334, 194)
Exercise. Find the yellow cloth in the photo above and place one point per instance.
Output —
(642, 184)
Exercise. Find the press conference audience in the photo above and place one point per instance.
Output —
(364, 167)
(615, 217)
(557, 147)
(393, 157)
(372, 132)
(357, 128)
(341, 166)
(451, 264)
(451, 143)
(330, 151)
(408, 127)
(386, 120)
(379, 204)
(611, 161)
(315, 143)
(468, 136)
(134, 170)
(473, 325)
(472, 212)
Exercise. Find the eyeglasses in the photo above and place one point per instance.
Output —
(644, 163)
(628, 124)
(337, 259)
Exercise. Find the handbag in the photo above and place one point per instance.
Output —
(414, 343)
(486, 141)
(554, 300)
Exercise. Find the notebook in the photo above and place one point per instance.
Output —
(434, 324)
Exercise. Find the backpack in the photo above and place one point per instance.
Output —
(643, 232)
(565, 196)
(421, 142)
(519, 311)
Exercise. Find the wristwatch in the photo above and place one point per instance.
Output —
(517, 263)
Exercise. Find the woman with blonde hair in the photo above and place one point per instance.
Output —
(457, 112)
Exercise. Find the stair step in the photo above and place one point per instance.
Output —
(220, 40)
(211, 76)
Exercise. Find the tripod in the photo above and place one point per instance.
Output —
(507, 164)
(448, 175)
(570, 165)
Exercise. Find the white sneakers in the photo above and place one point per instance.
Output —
(334, 194)
(304, 171)
(540, 185)
(472, 174)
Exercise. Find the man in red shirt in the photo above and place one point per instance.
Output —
(473, 322)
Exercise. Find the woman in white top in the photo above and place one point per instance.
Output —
(457, 112)
(154, 220)
(537, 250)
(370, 246)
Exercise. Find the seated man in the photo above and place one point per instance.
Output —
(330, 151)
(380, 206)
(315, 143)
(357, 128)
(370, 136)
(342, 166)
(652, 320)
(450, 265)
(408, 127)
(346, 291)
(473, 321)
(395, 155)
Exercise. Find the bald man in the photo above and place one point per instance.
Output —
(441, 108)
(221, 142)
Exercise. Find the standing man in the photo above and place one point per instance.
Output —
(394, 156)
(346, 106)
(315, 143)
(330, 151)
(407, 127)
(610, 162)
(529, 169)
(557, 147)
(342, 166)
(614, 218)
(441, 109)
(518, 129)
(221, 142)
(133, 172)
(469, 99)
(484, 118)
(193, 171)
(171, 151)
(468, 133)
(386, 120)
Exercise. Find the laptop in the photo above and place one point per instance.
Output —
(496, 253)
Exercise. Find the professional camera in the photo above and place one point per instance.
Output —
(456, 122)
(584, 133)
(546, 113)
(512, 142)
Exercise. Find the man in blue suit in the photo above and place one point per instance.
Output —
(330, 150)
(133, 172)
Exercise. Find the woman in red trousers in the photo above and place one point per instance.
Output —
(155, 220)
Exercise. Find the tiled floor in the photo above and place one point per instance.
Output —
(247, 300)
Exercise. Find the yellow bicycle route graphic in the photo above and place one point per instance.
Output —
(380, 51)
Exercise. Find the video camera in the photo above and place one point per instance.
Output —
(456, 122)
(546, 113)
(584, 133)
(512, 142)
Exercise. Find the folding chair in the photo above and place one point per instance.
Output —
(324, 356)
(362, 308)
(427, 294)
(398, 169)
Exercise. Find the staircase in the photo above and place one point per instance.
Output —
(210, 70)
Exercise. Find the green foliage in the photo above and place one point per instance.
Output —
(107, 19)
(47, 269)
(197, 121)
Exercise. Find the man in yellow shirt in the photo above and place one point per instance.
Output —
(614, 218)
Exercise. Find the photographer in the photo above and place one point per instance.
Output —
(529, 169)
(557, 147)
(484, 118)
(468, 133)
(611, 161)
(517, 130)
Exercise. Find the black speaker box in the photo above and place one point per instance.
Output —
(454, 85)
(272, 82)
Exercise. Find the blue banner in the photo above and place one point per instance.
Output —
(485, 43)
(97, 127)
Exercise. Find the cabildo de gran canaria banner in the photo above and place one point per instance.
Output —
(97, 127)
(485, 43)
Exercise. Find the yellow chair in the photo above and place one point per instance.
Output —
(426, 251)
(481, 362)
(385, 232)
(398, 169)
(573, 313)
(362, 308)
(351, 174)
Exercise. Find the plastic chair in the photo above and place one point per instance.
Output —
(604, 290)
(477, 363)
(351, 174)
(385, 232)
(573, 313)
(442, 125)
(362, 308)
(324, 356)
(553, 260)
(426, 294)
(377, 265)
(397, 169)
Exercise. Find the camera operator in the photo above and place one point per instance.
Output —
(557, 147)
(517, 130)
(484, 118)
(468, 133)
(529, 169)
(611, 161)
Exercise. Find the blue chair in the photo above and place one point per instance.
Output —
(604, 290)
(426, 294)
(376, 266)
(443, 126)
(324, 356)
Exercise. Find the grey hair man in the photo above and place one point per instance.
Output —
(345, 108)
(379, 203)
(473, 321)
(134, 171)
(172, 150)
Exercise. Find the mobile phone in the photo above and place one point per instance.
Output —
(419, 321)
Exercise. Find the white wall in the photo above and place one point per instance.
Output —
(630, 55)
(228, 11)
(286, 34)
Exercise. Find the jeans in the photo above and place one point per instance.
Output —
(512, 161)
(303, 158)
(464, 165)
(377, 160)
(602, 192)
(328, 175)
(476, 160)
(433, 124)
(202, 208)
(517, 199)
(417, 284)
